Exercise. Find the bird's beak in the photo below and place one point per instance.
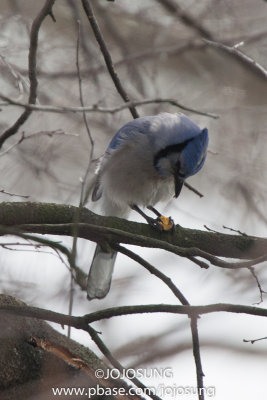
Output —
(178, 184)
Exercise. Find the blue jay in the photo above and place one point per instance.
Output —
(146, 161)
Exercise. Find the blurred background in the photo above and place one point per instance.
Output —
(158, 50)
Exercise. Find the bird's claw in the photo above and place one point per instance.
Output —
(162, 223)
(166, 223)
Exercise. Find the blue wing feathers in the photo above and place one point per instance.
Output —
(139, 125)
(163, 130)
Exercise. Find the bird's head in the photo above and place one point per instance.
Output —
(182, 160)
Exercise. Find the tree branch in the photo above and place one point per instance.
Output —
(115, 363)
(186, 18)
(107, 57)
(245, 59)
(96, 108)
(57, 219)
(179, 295)
(46, 10)
(83, 321)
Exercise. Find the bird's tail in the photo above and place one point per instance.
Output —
(99, 278)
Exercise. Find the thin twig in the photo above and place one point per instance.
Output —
(96, 108)
(250, 62)
(189, 45)
(200, 263)
(186, 18)
(84, 180)
(40, 240)
(107, 57)
(56, 246)
(20, 81)
(252, 271)
(252, 341)
(193, 190)
(46, 10)
(196, 353)
(91, 140)
(106, 352)
(209, 38)
(235, 230)
(34, 135)
(179, 295)
(13, 194)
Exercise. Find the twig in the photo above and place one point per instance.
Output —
(250, 62)
(196, 353)
(46, 10)
(185, 18)
(209, 37)
(91, 140)
(56, 246)
(196, 44)
(103, 348)
(13, 194)
(17, 76)
(33, 135)
(107, 57)
(40, 240)
(251, 269)
(252, 341)
(193, 190)
(235, 230)
(201, 263)
(179, 295)
(139, 56)
(81, 93)
(81, 202)
(96, 108)
(209, 229)
(13, 145)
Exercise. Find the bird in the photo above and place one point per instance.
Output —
(146, 161)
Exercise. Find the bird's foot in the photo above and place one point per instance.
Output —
(166, 223)
(161, 224)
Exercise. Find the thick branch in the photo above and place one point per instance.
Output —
(57, 219)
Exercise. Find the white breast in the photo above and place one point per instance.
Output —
(129, 177)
